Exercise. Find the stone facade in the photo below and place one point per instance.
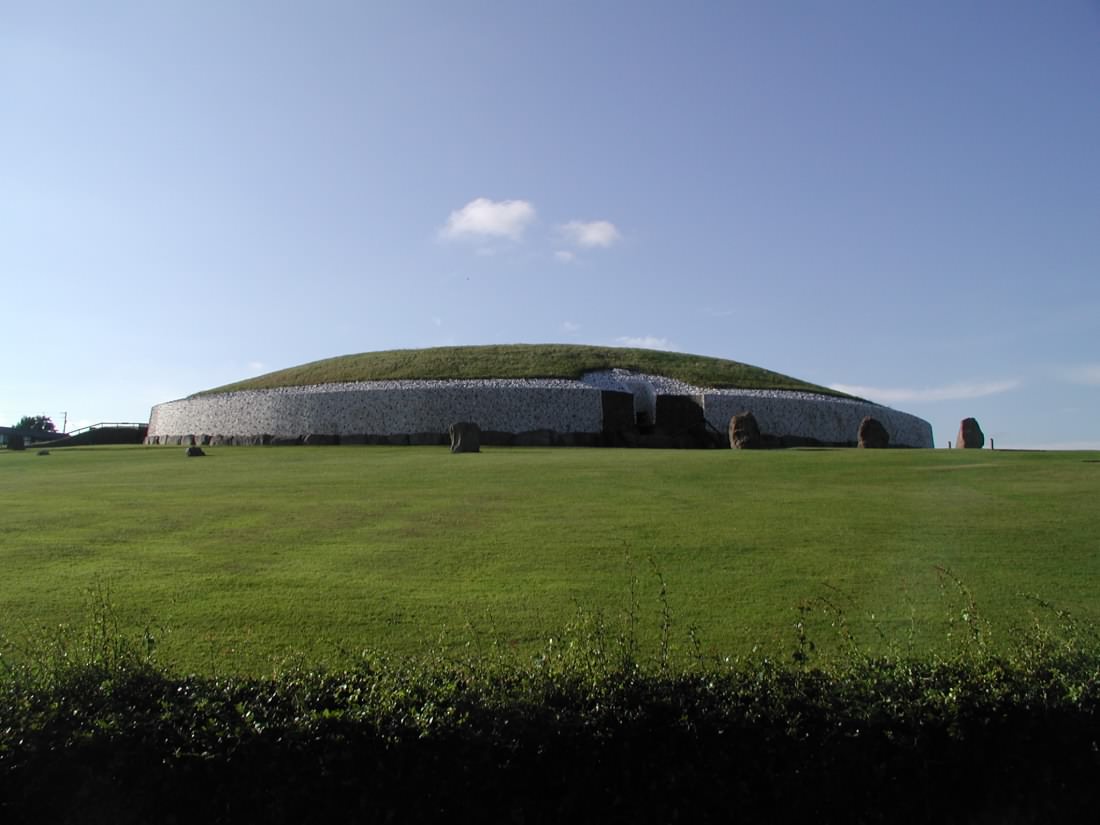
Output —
(592, 411)
(823, 418)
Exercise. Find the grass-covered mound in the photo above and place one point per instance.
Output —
(588, 730)
(522, 361)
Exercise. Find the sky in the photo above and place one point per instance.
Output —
(896, 199)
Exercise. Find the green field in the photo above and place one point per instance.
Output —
(249, 555)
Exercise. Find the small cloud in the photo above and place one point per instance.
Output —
(1087, 374)
(951, 392)
(437, 321)
(565, 256)
(644, 342)
(570, 326)
(256, 366)
(590, 234)
(482, 218)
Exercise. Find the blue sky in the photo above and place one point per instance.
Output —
(901, 199)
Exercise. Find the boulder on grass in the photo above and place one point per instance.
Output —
(872, 434)
(194, 451)
(744, 432)
(465, 437)
(970, 434)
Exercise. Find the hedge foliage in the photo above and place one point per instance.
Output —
(93, 730)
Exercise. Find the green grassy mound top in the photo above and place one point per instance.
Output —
(522, 361)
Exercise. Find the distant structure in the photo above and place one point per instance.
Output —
(603, 408)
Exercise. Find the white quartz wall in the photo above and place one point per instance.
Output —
(821, 417)
(515, 406)
(388, 411)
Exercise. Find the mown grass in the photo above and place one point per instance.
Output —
(522, 361)
(248, 556)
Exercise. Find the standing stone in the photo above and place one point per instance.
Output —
(744, 432)
(465, 437)
(970, 434)
(872, 434)
(193, 451)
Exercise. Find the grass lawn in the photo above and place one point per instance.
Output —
(250, 555)
(524, 361)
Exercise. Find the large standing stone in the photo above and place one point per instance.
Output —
(195, 452)
(970, 434)
(872, 434)
(465, 437)
(745, 432)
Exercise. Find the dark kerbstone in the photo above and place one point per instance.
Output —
(578, 440)
(534, 438)
(321, 439)
(465, 437)
(872, 434)
(383, 440)
(427, 439)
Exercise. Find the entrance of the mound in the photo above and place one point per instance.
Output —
(645, 401)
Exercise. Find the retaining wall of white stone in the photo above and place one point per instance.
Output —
(833, 420)
(510, 406)
(381, 411)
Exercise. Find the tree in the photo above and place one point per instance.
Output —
(40, 423)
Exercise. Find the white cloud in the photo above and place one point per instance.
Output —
(951, 392)
(570, 326)
(590, 233)
(565, 256)
(1088, 374)
(644, 342)
(437, 321)
(256, 366)
(482, 217)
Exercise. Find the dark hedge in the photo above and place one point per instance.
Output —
(974, 739)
